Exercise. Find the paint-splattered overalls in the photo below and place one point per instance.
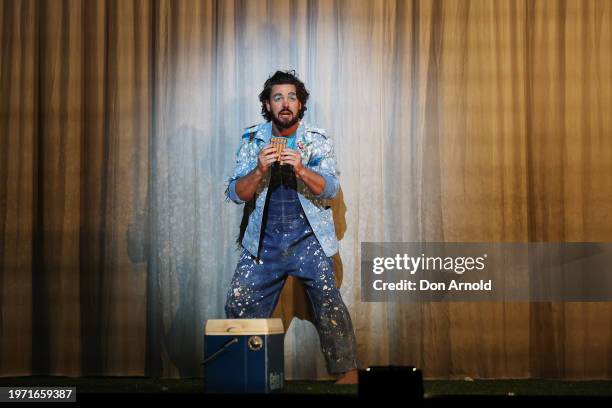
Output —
(291, 248)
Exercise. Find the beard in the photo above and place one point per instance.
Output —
(281, 124)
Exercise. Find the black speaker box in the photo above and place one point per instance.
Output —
(405, 382)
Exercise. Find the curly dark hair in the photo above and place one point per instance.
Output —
(283, 78)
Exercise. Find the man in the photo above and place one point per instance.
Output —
(290, 229)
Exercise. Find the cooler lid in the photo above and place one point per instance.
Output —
(224, 327)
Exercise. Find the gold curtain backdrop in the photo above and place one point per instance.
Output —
(456, 121)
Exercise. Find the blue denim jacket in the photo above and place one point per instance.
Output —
(318, 155)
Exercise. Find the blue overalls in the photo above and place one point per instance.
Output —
(291, 248)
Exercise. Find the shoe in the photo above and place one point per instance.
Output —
(350, 377)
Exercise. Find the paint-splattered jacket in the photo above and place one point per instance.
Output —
(318, 155)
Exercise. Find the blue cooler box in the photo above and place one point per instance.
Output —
(243, 355)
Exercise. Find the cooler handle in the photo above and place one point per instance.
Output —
(221, 350)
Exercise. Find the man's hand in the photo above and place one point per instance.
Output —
(247, 185)
(266, 157)
(293, 158)
(314, 181)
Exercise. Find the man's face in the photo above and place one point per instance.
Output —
(284, 106)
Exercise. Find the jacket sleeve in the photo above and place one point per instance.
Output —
(324, 163)
(243, 165)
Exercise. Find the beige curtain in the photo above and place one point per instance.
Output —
(458, 121)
